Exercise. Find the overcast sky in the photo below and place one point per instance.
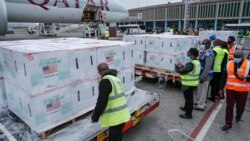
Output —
(140, 3)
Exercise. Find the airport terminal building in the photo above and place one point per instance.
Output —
(206, 14)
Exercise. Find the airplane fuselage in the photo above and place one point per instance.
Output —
(57, 11)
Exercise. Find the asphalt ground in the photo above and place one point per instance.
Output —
(155, 127)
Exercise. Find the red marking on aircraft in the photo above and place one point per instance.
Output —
(43, 4)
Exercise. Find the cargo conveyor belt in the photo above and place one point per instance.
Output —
(84, 130)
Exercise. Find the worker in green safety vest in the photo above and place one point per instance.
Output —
(247, 35)
(220, 62)
(106, 34)
(189, 80)
(111, 103)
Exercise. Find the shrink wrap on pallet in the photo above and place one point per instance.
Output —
(163, 51)
(3, 97)
(127, 77)
(49, 82)
(222, 35)
(139, 41)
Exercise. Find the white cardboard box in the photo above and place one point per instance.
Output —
(127, 77)
(84, 94)
(3, 97)
(49, 81)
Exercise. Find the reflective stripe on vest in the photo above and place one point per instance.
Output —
(117, 111)
(234, 83)
(192, 78)
(218, 58)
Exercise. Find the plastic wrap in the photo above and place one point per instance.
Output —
(82, 130)
(50, 81)
(222, 35)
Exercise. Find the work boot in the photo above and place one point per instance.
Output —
(183, 109)
(237, 118)
(211, 99)
(198, 108)
(185, 116)
(226, 127)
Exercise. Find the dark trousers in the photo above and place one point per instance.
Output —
(240, 98)
(215, 84)
(189, 101)
(115, 133)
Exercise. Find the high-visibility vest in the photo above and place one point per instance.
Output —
(117, 111)
(172, 30)
(247, 35)
(192, 78)
(235, 84)
(106, 34)
(220, 53)
(231, 52)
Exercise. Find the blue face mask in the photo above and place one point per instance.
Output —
(237, 60)
(202, 47)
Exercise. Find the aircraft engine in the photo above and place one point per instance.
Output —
(3, 18)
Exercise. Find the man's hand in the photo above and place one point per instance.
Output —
(221, 93)
(92, 120)
(242, 78)
(179, 65)
(202, 80)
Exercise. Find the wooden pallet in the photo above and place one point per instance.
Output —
(153, 72)
(65, 123)
(53, 128)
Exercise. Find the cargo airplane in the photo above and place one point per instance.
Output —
(59, 11)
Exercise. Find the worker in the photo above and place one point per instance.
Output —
(231, 46)
(212, 37)
(240, 35)
(237, 88)
(111, 103)
(206, 59)
(29, 30)
(247, 35)
(172, 30)
(106, 34)
(220, 62)
(189, 80)
(223, 77)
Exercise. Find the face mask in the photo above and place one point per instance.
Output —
(202, 47)
(237, 60)
(189, 59)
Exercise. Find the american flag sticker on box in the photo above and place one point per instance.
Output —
(49, 69)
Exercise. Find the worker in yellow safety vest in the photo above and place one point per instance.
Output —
(231, 46)
(237, 88)
(220, 62)
(111, 103)
(247, 35)
(189, 80)
(106, 34)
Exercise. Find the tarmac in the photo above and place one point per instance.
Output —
(155, 127)
(204, 126)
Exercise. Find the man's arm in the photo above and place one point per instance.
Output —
(186, 69)
(224, 63)
(209, 63)
(105, 88)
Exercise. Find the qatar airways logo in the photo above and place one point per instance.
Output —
(104, 4)
(44, 3)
